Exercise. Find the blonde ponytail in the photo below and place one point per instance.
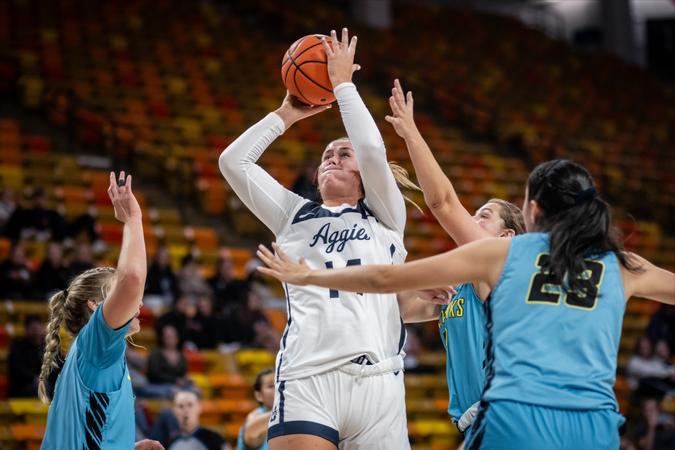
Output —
(70, 309)
(403, 180)
(52, 342)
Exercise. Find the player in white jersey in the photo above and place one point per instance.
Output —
(339, 376)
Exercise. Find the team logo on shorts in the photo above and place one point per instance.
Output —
(274, 414)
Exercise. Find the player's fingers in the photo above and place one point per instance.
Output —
(395, 107)
(352, 44)
(268, 271)
(280, 253)
(334, 40)
(390, 119)
(129, 182)
(409, 99)
(326, 47)
(345, 37)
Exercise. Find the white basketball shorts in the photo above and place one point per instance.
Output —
(356, 406)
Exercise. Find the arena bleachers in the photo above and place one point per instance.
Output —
(163, 87)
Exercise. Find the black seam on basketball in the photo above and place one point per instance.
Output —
(298, 69)
(320, 85)
(292, 59)
(297, 88)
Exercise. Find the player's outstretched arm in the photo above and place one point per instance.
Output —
(382, 194)
(126, 293)
(423, 305)
(478, 261)
(650, 282)
(263, 195)
(439, 193)
(255, 429)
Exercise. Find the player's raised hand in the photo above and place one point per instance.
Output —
(292, 110)
(122, 197)
(438, 296)
(280, 266)
(340, 54)
(401, 118)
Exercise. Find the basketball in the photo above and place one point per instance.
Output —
(304, 71)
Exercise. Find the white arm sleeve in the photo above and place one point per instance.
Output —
(263, 195)
(382, 194)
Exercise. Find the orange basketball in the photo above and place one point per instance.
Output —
(304, 71)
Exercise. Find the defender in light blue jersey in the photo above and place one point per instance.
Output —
(93, 404)
(253, 433)
(554, 316)
(462, 321)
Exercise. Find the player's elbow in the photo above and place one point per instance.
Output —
(437, 201)
(132, 278)
(226, 163)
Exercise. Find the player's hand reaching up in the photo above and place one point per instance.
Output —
(292, 110)
(340, 55)
(124, 202)
(280, 266)
(402, 111)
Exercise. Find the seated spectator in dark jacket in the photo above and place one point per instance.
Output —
(161, 280)
(224, 284)
(247, 325)
(53, 273)
(38, 221)
(15, 275)
(167, 364)
(82, 260)
(25, 359)
(202, 329)
(180, 428)
(84, 224)
(184, 308)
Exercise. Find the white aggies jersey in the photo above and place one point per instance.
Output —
(327, 328)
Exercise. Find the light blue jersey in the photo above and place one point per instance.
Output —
(551, 348)
(240, 439)
(93, 405)
(462, 328)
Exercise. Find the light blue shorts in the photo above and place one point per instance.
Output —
(507, 425)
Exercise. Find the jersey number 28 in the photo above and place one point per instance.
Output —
(544, 289)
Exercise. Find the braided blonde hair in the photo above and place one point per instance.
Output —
(70, 308)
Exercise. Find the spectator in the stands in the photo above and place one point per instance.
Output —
(655, 430)
(179, 428)
(202, 329)
(184, 309)
(85, 224)
(167, 364)
(305, 183)
(224, 284)
(161, 280)
(39, 221)
(253, 433)
(25, 359)
(83, 259)
(648, 372)
(190, 279)
(7, 206)
(248, 326)
(662, 325)
(53, 272)
(15, 275)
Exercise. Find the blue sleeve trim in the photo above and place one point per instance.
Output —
(304, 427)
